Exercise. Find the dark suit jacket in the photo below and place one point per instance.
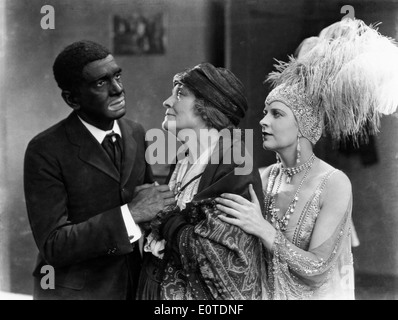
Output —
(73, 195)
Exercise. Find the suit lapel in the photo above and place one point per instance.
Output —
(90, 151)
(129, 151)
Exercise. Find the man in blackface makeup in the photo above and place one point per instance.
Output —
(87, 185)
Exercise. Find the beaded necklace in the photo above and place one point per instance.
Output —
(270, 200)
(290, 172)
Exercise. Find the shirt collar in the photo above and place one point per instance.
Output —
(99, 134)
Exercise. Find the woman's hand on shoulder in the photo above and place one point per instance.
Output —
(241, 212)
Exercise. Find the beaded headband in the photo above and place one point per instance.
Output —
(308, 118)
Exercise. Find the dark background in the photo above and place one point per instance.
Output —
(243, 35)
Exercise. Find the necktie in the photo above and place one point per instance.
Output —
(113, 147)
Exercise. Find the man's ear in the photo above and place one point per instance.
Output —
(70, 99)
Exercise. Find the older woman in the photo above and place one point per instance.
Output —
(190, 253)
(342, 84)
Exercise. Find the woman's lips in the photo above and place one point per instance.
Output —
(266, 135)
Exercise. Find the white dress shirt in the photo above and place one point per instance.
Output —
(133, 230)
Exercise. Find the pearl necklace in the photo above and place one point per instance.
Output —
(290, 172)
(270, 204)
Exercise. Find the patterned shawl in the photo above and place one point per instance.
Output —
(206, 258)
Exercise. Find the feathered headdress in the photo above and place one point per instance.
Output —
(343, 84)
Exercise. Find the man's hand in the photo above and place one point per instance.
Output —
(149, 199)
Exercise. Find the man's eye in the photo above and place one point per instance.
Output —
(118, 76)
(100, 83)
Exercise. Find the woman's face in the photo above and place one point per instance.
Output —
(279, 126)
(180, 113)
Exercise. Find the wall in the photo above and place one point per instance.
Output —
(31, 101)
(4, 278)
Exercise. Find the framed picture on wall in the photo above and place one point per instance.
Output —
(139, 34)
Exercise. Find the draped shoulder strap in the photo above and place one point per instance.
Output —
(273, 172)
(324, 181)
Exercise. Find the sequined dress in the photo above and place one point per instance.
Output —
(325, 272)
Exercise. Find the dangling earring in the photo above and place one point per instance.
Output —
(298, 150)
(278, 159)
